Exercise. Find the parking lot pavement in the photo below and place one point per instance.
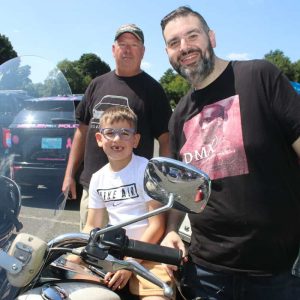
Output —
(40, 218)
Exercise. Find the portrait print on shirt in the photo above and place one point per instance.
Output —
(214, 141)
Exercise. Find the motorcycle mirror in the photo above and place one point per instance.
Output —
(189, 186)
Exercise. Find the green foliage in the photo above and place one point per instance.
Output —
(174, 85)
(73, 75)
(92, 65)
(55, 84)
(79, 73)
(6, 49)
(297, 70)
(291, 70)
(14, 76)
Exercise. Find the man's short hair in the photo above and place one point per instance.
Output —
(183, 11)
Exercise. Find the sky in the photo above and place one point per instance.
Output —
(66, 29)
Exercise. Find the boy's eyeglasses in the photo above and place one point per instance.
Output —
(123, 133)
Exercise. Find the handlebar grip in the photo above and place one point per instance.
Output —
(153, 252)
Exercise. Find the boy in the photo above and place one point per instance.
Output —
(118, 188)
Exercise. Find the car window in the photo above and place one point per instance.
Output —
(12, 102)
(52, 105)
(38, 111)
(8, 104)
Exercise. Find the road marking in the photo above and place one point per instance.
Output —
(49, 220)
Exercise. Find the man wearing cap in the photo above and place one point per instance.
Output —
(127, 85)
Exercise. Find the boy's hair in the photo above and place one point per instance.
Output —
(118, 113)
(183, 11)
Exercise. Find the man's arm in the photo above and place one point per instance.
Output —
(164, 147)
(75, 159)
(296, 146)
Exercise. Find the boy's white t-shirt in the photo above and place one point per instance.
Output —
(122, 194)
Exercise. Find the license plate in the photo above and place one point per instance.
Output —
(51, 143)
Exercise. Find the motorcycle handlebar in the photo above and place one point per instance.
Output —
(153, 252)
(132, 248)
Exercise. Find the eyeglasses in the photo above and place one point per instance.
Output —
(123, 133)
(189, 38)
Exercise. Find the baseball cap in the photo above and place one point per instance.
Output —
(131, 28)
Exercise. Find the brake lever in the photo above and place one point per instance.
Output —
(72, 268)
(111, 264)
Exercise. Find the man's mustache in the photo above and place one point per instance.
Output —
(189, 51)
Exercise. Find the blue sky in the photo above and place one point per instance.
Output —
(65, 29)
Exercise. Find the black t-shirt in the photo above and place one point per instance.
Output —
(239, 130)
(142, 94)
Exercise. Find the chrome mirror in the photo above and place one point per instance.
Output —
(189, 186)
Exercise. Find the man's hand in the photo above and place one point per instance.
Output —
(76, 157)
(69, 187)
(173, 240)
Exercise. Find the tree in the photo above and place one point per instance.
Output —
(174, 85)
(73, 75)
(92, 65)
(278, 58)
(296, 66)
(79, 73)
(6, 49)
(14, 76)
(55, 84)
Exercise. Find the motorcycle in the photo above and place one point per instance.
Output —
(33, 262)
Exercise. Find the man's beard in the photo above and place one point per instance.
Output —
(197, 73)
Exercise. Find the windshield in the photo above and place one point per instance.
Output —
(37, 119)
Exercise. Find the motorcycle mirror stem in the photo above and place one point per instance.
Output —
(155, 212)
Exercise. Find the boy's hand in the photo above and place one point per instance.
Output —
(117, 280)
